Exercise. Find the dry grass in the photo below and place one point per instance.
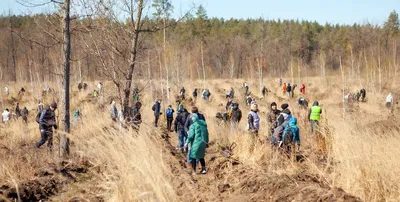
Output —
(358, 158)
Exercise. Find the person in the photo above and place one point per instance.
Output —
(389, 101)
(228, 104)
(40, 107)
(314, 115)
(5, 115)
(47, 88)
(189, 121)
(136, 94)
(303, 89)
(85, 86)
(235, 114)
(157, 112)
(136, 116)
(281, 122)
(249, 100)
(22, 91)
(272, 117)
(182, 92)
(170, 117)
(179, 104)
(206, 94)
(179, 127)
(293, 88)
(17, 111)
(363, 93)
(47, 122)
(284, 88)
(113, 111)
(24, 114)
(231, 93)
(194, 94)
(76, 117)
(289, 89)
(302, 102)
(291, 134)
(80, 86)
(95, 93)
(253, 120)
(198, 139)
(7, 91)
(99, 86)
(357, 96)
(280, 82)
(264, 91)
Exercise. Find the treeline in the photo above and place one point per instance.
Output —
(31, 48)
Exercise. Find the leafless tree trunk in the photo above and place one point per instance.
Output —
(260, 75)
(342, 71)
(133, 53)
(13, 52)
(202, 63)
(352, 61)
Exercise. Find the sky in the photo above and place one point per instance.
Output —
(322, 11)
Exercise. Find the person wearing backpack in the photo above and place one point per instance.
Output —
(179, 127)
(170, 117)
(314, 115)
(291, 134)
(157, 112)
(235, 114)
(47, 121)
(282, 121)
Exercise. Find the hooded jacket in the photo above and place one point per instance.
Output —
(198, 138)
(180, 120)
(293, 130)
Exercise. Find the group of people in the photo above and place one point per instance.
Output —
(289, 89)
(18, 112)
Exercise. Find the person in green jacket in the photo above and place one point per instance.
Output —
(198, 139)
(314, 115)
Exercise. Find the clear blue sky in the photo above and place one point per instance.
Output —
(333, 11)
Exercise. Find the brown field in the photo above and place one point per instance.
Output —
(355, 160)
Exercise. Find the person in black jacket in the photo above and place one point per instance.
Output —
(194, 94)
(179, 124)
(189, 121)
(47, 121)
(136, 116)
(157, 112)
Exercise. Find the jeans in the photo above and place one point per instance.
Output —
(169, 123)
(45, 135)
(182, 138)
(288, 93)
(156, 117)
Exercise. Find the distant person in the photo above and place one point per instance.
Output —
(228, 104)
(5, 115)
(206, 94)
(253, 120)
(389, 101)
(157, 112)
(80, 86)
(289, 90)
(284, 88)
(100, 87)
(76, 117)
(85, 86)
(235, 114)
(280, 82)
(95, 93)
(363, 94)
(249, 99)
(303, 89)
(17, 111)
(170, 117)
(113, 111)
(281, 122)
(272, 117)
(198, 139)
(40, 107)
(22, 91)
(47, 122)
(194, 94)
(7, 90)
(182, 92)
(357, 96)
(179, 127)
(136, 116)
(264, 92)
(314, 116)
(136, 94)
(293, 88)
(24, 114)
(231, 93)
(302, 102)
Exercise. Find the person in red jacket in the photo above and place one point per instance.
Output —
(303, 89)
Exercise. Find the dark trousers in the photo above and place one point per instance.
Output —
(45, 135)
(169, 123)
(156, 117)
(194, 163)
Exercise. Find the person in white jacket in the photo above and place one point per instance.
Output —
(7, 91)
(389, 100)
(6, 116)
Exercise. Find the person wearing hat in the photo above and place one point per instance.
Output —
(179, 127)
(282, 120)
(253, 120)
(47, 121)
(272, 117)
(198, 139)
(157, 111)
(189, 121)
